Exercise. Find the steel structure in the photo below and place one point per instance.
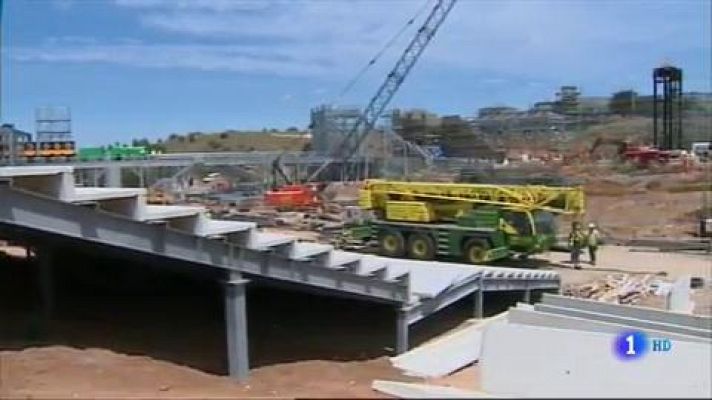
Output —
(303, 162)
(667, 111)
(52, 124)
(41, 206)
(364, 125)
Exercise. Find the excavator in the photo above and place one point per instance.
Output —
(475, 223)
(639, 155)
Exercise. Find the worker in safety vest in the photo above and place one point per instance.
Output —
(576, 242)
(593, 238)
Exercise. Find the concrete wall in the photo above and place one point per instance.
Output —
(528, 361)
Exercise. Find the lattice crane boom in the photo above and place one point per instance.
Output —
(364, 125)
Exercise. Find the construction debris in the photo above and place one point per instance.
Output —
(448, 353)
(619, 289)
(404, 390)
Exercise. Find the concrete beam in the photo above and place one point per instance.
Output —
(650, 314)
(523, 316)
(429, 306)
(633, 322)
(47, 215)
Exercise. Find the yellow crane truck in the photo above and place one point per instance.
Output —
(476, 223)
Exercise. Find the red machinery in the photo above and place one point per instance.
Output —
(640, 155)
(645, 155)
(293, 196)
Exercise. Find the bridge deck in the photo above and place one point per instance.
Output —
(44, 200)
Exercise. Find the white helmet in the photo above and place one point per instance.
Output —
(591, 225)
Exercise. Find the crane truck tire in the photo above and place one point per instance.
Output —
(476, 251)
(421, 247)
(391, 244)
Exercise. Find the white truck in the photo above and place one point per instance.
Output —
(702, 150)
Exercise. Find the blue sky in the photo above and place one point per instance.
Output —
(148, 68)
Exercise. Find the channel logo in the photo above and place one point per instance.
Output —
(634, 345)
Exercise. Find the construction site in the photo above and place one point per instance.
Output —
(564, 250)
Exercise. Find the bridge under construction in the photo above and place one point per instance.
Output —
(42, 206)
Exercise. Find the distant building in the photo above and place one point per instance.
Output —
(489, 112)
(567, 100)
(594, 104)
(544, 106)
(419, 116)
(12, 140)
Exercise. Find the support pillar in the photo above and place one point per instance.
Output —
(236, 327)
(527, 296)
(401, 331)
(112, 176)
(478, 298)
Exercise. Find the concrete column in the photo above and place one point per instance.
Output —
(236, 327)
(95, 176)
(527, 296)
(45, 282)
(478, 298)
(112, 176)
(401, 331)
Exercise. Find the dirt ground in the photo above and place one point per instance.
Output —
(66, 372)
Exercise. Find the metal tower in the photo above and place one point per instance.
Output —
(667, 132)
(53, 124)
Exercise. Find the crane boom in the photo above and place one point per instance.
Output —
(555, 199)
(363, 126)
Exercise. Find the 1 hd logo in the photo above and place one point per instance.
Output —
(633, 345)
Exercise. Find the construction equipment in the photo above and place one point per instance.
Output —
(351, 142)
(639, 155)
(290, 195)
(477, 223)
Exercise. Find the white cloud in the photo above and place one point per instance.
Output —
(210, 5)
(526, 40)
(246, 59)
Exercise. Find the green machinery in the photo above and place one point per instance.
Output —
(477, 223)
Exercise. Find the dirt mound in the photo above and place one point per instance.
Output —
(65, 372)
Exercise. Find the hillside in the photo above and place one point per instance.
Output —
(236, 141)
(695, 127)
